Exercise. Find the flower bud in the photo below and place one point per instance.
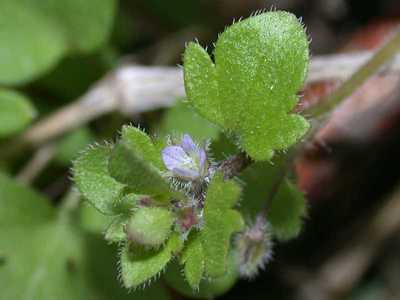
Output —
(254, 248)
(149, 226)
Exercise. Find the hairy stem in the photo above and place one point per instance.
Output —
(233, 165)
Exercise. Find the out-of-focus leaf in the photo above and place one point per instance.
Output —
(36, 34)
(287, 211)
(16, 111)
(69, 146)
(286, 208)
(92, 220)
(86, 25)
(93, 180)
(45, 257)
(31, 43)
(182, 119)
(73, 76)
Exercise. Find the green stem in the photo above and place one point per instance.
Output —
(387, 52)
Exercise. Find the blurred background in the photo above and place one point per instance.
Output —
(350, 245)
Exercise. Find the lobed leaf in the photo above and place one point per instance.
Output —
(94, 181)
(220, 222)
(16, 112)
(260, 65)
(139, 265)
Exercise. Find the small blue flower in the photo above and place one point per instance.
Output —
(187, 160)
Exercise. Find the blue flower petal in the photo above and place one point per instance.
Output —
(174, 157)
(186, 173)
(188, 144)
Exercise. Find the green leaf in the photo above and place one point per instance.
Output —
(45, 257)
(150, 226)
(139, 265)
(287, 207)
(208, 289)
(220, 222)
(92, 220)
(260, 65)
(287, 211)
(141, 143)
(132, 162)
(115, 232)
(223, 147)
(101, 262)
(16, 111)
(70, 145)
(193, 258)
(21, 206)
(93, 180)
(86, 25)
(31, 43)
(182, 119)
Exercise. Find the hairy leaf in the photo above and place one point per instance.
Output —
(128, 167)
(93, 180)
(208, 288)
(141, 143)
(260, 65)
(193, 258)
(16, 112)
(220, 222)
(139, 265)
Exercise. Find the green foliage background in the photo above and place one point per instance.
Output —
(52, 244)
